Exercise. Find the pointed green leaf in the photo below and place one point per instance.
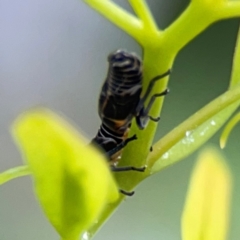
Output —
(72, 179)
(206, 211)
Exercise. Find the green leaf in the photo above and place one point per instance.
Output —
(206, 212)
(72, 179)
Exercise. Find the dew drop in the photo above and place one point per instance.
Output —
(188, 133)
(189, 138)
(204, 131)
(86, 236)
(213, 123)
(165, 155)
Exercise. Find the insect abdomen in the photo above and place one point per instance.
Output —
(121, 91)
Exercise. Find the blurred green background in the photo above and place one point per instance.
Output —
(53, 53)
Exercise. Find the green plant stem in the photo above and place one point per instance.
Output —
(109, 210)
(128, 180)
(13, 173)
(193, 140)
(156, 63)
(231, 10)
(160, 49)
(235, 75)
(228, 129)
(175, 151)
(142, 11)
(121, 18)
(207, 112)
(191, 23)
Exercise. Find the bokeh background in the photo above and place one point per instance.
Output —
(53, 53)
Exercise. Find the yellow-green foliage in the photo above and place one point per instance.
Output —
(72, 180)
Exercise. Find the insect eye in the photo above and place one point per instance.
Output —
(117, 56)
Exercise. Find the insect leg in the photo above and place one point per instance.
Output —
(152, 83)
(126, 193)
(153, 98)
(143, 116)
(127, 168)
(121, 145)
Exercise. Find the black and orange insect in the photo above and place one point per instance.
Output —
(120, 101)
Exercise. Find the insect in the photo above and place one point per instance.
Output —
(120, 101)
